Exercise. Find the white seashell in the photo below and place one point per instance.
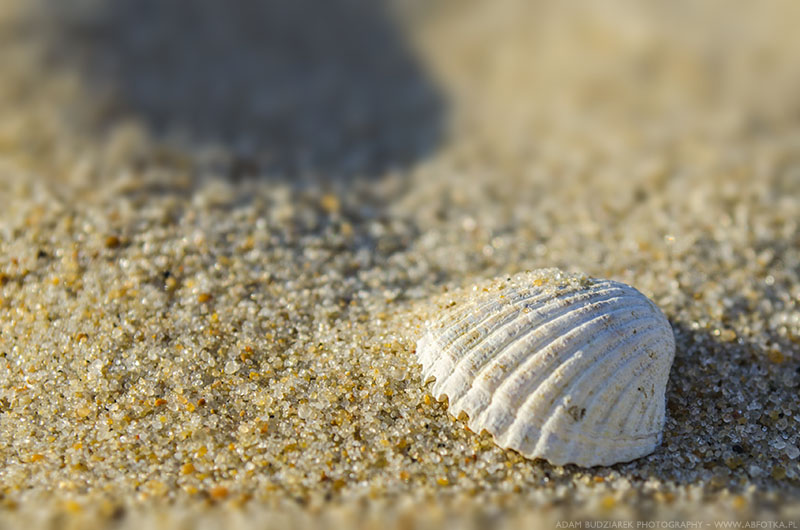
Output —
(554, 365)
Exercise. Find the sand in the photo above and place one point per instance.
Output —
(221, 227)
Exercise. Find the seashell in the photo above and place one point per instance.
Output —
(554, 365)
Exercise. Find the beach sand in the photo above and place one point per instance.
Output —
(221, 226)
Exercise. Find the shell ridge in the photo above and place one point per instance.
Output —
(629, 446)
(601, 352)
(529, 293)
(626, 445)
(626, 417)
(501, 355)
(649, 333)
(654, 416)
(499, 321)
(455, 333)
(543, 372)
(497, 356)
(487, 300)
(462, 319)
(645, 419)
(619, 396)
(575, 335)
(485, 344)
(567, 311)
(659, 415)
(616, 413)
(627, 357)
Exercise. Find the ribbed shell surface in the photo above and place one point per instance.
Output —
(556, 366)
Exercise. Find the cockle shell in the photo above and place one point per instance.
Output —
(554, 365)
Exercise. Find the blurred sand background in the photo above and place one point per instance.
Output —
(220, 224)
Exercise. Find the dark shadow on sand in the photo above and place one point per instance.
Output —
(319, 90)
